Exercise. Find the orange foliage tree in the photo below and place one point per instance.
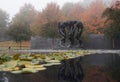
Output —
(50, 15)
(46, 22)
(72, 11)
(92, 17)
(76, 11)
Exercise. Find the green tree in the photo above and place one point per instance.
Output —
(112, 15)
(47, 30)
(19, 28)
(4, 18)
(19, 32)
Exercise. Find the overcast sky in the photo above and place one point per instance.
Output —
(13, 6)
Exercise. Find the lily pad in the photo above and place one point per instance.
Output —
(34, 66)
(53, 61)
(48, 64)
(11, 64)
(16, 72)
(24, 63)
(39, 69)
(2, 66)
(6, 69)
(35, 61)
(29, 70)
(25, 70)
(16, 56)
(51, 64)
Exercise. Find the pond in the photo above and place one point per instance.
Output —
(92, 67)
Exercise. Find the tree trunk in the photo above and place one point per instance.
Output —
(53, 41)
(20, 45)
(113, 43)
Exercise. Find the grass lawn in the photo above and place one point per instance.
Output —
(6, 44)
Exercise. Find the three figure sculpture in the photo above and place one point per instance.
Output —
(73, 27)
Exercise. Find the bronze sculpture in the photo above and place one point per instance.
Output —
(73, 27)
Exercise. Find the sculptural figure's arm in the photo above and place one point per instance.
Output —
(62, 31)
(79, 32)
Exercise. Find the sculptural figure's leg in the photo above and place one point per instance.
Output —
(63, 40)
(71, 36)
(63, 33)
(78, 38)
(79, 32)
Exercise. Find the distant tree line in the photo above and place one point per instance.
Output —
(30, 22)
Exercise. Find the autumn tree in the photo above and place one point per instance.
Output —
(113, 21)
(19, 28)
(66, 10)
(50, 15)
(72, 11)
(46, 22)
(92, 17)
(4, 17)
(76, 12)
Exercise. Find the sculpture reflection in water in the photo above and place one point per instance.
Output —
(74, 29)
(3, 77)
(71, 70)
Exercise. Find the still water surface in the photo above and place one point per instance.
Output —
(51, 73)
